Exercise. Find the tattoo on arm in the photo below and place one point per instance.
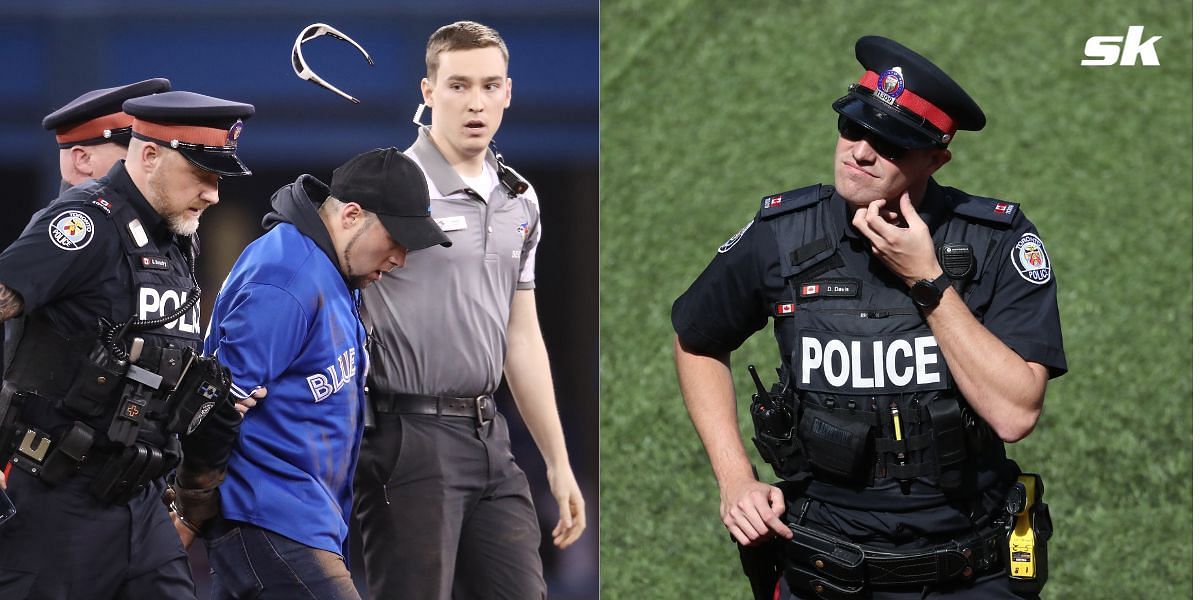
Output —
(10, 303)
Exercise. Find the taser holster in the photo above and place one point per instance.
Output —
(1029, 530)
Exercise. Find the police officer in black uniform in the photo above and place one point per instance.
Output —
(104, 376)
(918, 327)
(93, 132)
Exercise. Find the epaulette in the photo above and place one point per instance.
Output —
(777, 204)
(987, 209)
(88, 193)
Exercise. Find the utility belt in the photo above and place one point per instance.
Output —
(118, 473)
(818, 563)
(482, 408)
(112, 400)
(830, 567)
(853, 440)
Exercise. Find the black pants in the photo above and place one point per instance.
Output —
(911, 531)
(64, 543)
(445, 511)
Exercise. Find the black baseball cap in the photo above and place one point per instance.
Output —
(95, 117)
(389, 184)
(203, 129)
(906, 99)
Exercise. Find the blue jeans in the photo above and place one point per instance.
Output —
(251, 562)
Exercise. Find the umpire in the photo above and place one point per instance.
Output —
(105, 372)
(917, 326)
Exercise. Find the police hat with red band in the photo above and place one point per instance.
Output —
(203, 129)
(906, 99)
(96, 117)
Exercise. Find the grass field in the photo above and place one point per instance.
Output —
(708, 106)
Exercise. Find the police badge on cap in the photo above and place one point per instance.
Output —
(205, 130)
(906, 99)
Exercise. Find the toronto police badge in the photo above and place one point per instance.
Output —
(1030, 259)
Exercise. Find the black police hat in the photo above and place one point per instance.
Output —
(203, 129)
(96, 117)
(906, 99)
(389, 184)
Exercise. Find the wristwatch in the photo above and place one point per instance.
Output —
(927, 293)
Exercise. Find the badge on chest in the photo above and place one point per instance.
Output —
(452, 223)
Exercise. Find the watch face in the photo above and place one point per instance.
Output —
(925, 294)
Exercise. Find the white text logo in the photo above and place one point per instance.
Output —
(1104, 50)
(339, 374)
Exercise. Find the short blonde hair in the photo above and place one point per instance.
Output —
(463, 35)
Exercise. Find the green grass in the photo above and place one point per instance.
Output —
(708, 106)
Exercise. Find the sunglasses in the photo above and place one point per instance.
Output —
(852, 131)
(300, 66)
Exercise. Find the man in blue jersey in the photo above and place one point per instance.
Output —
(287, 320)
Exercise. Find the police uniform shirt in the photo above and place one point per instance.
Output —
(743, 286)
(69, 262)
(439, 325)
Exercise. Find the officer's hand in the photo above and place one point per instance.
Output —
(750, 511)
(244, 405)
(901, 241)
(572, 519)
(3, 481)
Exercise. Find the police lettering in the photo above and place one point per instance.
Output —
(339, 374)
(895, 363)
(153, 304)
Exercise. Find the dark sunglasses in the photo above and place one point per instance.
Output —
(852, 131)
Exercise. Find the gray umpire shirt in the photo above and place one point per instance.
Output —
(439, 324)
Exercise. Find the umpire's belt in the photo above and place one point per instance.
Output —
(482, 408)
(813, 556)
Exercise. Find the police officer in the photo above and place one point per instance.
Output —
(105, 374)
(918, 327)
(93, 132)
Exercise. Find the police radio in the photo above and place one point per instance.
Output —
(774, 425)
(1029, 530)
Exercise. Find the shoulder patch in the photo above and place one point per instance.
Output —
(103, 204)
(71, 230)
(988, 209)
(776, 204)
(735, 239)
(1030, 259)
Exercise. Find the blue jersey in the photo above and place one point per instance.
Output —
(286, 320)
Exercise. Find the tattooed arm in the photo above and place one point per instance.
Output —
(10, 303)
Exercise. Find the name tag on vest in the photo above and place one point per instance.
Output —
(882, 363)
(837, 288)
(154, 263)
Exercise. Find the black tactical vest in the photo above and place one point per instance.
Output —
(50, 365)
(874, 402)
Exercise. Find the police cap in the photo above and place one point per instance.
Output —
(203, 129)
(389, 184)
(906, 99)
(96, 117)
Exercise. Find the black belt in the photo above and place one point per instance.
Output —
(836, 568)
(482, 408)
